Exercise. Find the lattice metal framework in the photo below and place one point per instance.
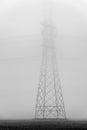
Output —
(49, 103)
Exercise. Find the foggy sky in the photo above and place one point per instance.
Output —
(20, 55)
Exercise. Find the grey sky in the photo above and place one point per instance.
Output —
(20, 55)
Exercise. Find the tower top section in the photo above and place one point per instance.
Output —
(48, 25)
(48, 13)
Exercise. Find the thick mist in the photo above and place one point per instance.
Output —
(21, 52)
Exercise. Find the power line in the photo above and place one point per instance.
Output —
(38, 36)
(27, 58)
(20, 36)
(20, 58)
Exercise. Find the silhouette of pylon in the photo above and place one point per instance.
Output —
(49, 102)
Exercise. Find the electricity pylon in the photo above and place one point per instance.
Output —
(49, 103)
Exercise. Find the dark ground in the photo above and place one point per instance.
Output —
(42, 124)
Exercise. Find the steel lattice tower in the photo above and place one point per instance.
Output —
(49, 103)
